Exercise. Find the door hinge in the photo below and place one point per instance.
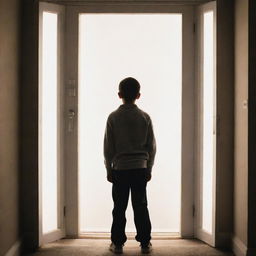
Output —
(64, 211)
(193, 210)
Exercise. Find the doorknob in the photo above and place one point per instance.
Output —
(71, 113)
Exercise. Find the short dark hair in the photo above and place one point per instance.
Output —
(129, 88)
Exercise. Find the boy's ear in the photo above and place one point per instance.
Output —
(138, 96)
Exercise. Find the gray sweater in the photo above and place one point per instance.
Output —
(129, 141)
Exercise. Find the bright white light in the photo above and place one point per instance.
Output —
(208, 136)
(149, 48)
(48, 96)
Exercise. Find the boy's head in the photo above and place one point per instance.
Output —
(129, 90)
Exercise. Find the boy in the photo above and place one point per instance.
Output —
(129, 151)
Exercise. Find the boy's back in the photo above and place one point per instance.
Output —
(129, 141)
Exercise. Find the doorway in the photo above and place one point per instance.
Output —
(85, 81)
(112, 47)
(94, 65)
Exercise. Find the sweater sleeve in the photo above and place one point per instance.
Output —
(109, 147)
(151, 145)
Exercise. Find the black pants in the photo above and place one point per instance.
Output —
(123, 182)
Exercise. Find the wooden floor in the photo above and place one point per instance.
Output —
(98, 247)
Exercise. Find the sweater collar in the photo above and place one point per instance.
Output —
(128, 105)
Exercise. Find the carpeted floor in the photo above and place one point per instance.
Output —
(99, 247)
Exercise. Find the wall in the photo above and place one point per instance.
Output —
(251, 131)
(241, 125)
(29, 125)
(225, 125)
(9, 125)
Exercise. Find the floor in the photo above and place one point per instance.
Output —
(99, 247)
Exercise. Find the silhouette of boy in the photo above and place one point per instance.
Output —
(129, 151)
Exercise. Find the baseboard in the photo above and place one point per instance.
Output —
(238, 247)
(15, 249)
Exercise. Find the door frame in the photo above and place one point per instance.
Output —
(71, 101)
(199, 232)
(29, 130)
(60, 231)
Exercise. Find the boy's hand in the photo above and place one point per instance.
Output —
(110, 175)
(110, 178)
(148, 176)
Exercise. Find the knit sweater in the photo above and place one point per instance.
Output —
(129, 141)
